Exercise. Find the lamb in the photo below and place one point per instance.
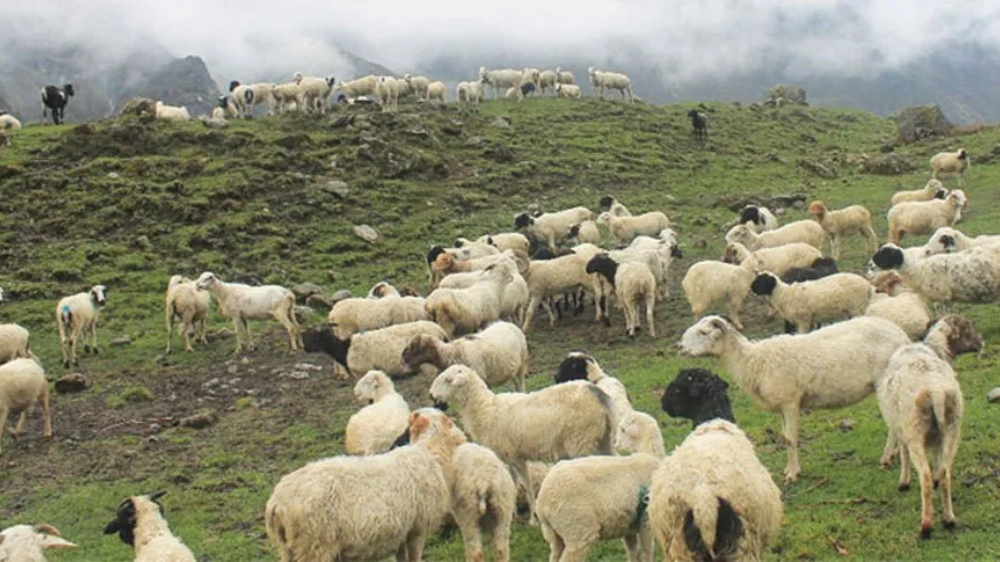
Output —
(468, 309)
(778, 260)
(971, 276)
(373, 350)
(189, 305)
(22, 384)
(580, 366)
(899, 305)
(585, 232)
(948, 239)
(601, 80)
(373, 428)
(551, 227)
(226, 109)
(248, 96)
(139, 522)
(805, 232)
(957, 162)
(583, 501)
(514, 93)
(615, 207)
(564, 77)
(559, 422)
(363, 86)
(498, 353)
(698, 395)
(712, 499)
(925, 217)
(569, 91)
(26, 543)
(761, 218)
(56, 98)
(921, 402)
(242, 303)
(821, 300)
(634, 284)
(171, 112)
(353, 315)
(470, 92)
(833, 367)
(558, 276)
(625, 228)
(9, 123)
(708, 282)
(500, 80)
(363, 508)
(76, 316)
(547, 80)
(850, 220)
(13, 343)
(315, 91)
(419, 85)
(287, 95)
(933, 190)
(699, 124)
(436, 91)
(387, 91)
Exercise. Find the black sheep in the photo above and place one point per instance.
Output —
(698, 395)
(56, 98)
(699, 124)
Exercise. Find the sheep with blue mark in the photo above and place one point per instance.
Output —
(76, 316)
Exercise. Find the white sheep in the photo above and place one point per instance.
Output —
(559, 422)
(844, 222)
(477, 249)
(778, 260)
(712, 499)
(22, 384)
(580, 366)
(14, 342)
(547, 80)
(829, 368)
(760, 217)
(419, 85)
(503, 241)
(139, 523)
(247, 97)
(446, 263)
(387, 91)
(513, 300)
(558, 276)
(27, 543)
(971, 276)
(808, 303)
(709, 282)
(381, 290)
(363, 86)
(804, 232)
(564, 77)
(468, 309)
(226, 109)
(897, 304)
(625, 228)
(657, 253)
(514, 93)
(634, 285)
(470, 92)
(353, 315)
(171, 112)
(551, 228)
(76, 316)
(948, 239)
(242, 303)
(9, 123)
(924, 217)
(957, 162)
(601, 81)
(315, 91)
(372, 350)
(569, 91)
(374, 428)
(286, 96)
(500, 80)
(436, 91)
(585, 232)
(189, 305)
(614, 206)
(934, 189)
(498, 353)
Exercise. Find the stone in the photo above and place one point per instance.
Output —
(118, 342)
(70, 383)
(847, 424)
(921, 122)
(338, 188)
(994, 395)
(502, 122)
(305, 290)
(340, 295)
(319, 301)
(199, 421)
(366, 233)
(474, 141)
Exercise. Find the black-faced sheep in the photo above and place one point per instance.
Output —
(699, 124)
(698, 395)
(951, 163)
(139, 523)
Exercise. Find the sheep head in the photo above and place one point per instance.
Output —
(706, 337)
(889, 256)
(764, 284)
(577, 366)
(27, 538)
(126, 518)
(206, 281)
(962, 154)
(443, 262)
(603, 265)
(68, 88)
(453, 386)
(370, 386)
(742, 234)
(887, 282)
(818, 209)
(99, 294)
(523, 220)
(958, 333)
(698, 395)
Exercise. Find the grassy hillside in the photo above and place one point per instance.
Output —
(128, 204)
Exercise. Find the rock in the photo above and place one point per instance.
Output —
(305, 290)
(891, 164)
(113, 175)
(921, 122)
(319, 301)
(779, 211)
(818, 169)
(212, 382)
(118, 342)
(502, 122)
(232, 369)
(700, 221)
(533, 207)
(338, 188)
(143, 242)
(847, 424)
(215, 123)
(342, 121)
(308, 367)
(297, 375)
(199, 421)
(785, 94)
(70, 383)
(474, 141)
(302, 313)
(366, 233)
(339, 296)
(332, 274)
(799, 205)
(419, 133)
(994, 395)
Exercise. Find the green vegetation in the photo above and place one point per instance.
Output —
(128, 204)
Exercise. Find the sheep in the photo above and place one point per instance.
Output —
(615, 207)
(514, 241)
(139, 522)
(833, 367)
(27, 543)
(56, 98)
(601, 80)
(465, 252)
(583, 501)
(363, 86)
(899, 305)
(513, 300)
(549, 278)
(559, 422)
(585, 232)
(470, 92)
(921, 402)
(809, 302)
(446, 263)
(777, 260)
(364, 508)
(849, 220)
(564, 77)
(243, 303)
(551, 228)
(285, 95)
(381, 290)
(698, 395)
(387, 91)
(374, 350)
(498, 353)
(76, 316)
(712, 499)
(708, 282)
(315, 91)
(762, 218)
(699, 124)
(372, 429)
(189, 305)
(22, 384)
(547, 80)
(500, 80)
(531, 76)
(933, 190)
(569, 91)
(580, 366)
(625, 228)
(468, 309)
(971, 276)
(820, 268)
(226, 109)
(657, 253)
(804, 231)
(13, 343)
(634, 283)
(514, 93)
(957, 162)
(419, 85)
(436, 91)
(948, 239)
(353, 315)
(248, 96)
(9, 123)
(171, 112)
(924, 217)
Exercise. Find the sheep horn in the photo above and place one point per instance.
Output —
(47, 529)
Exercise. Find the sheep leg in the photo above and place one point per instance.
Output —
(74, 336)
(650, 313)
(575, 553)
(872, 239)
(415, 547)
(47, 414)
(170, 328)
(63, 345)
(93, 338)
(203, 329)
(949, 448)
(501, 539)
(639, 545)
(556, 544)
(835, 247)
(904, 469)
(3, 422)
(790, 431)
(521, 472)
(530, 312)
(735, 304)
(291, 327)
(238, 328)
(548, 309)
(22, 420)
(888, 451)
(918, 456)
(472, 537)
(246, 330)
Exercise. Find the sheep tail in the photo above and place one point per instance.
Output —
(606, 445)
(66, 316)
(935, 406)
(712, 527)
(483, 496)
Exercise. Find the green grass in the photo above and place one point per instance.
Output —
(74, 200)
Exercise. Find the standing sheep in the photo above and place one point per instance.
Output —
(471, 308)
(387, 91)
(22, 384)
(634, 285)
(708, 282)
(27, 543)
(969, 276)
(762, 218)
(625, 228)
(76, 316)
(371, 350)
(551, 228)
(139, 523)
(243, 303)
(287, 96)
(699, 124)
(547, 80)
(189, 305)
(373, 428)
(564, 77)
(315, 91)
(924, 217)
(358, 87)
(811, 302)
(585, 232)
(500, 80)
(419, 84)
(470, 92)
(601, 81)
(14, 343)
(804, 232)
(778, 260)
(436, 91)
(56, 98)
(350, 316)
(957, 162)
(933, 190)
(498, 353)
(850, 220)
(247, 97)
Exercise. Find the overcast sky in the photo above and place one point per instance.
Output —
(686, 38)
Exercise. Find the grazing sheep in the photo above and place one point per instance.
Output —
(189, 305)
(27, 543)
(569, 91)
(514, 241)
(811, 302)
(850, 220)
(350, 316)
(446, 263)
(558, 276)
(436, 91)
(957, 162)
(970, 276)
(242, 303)
(899, 305)
(615, 207)
(564, 77)
(76, 316)
(712, 499)
(559, 422)
(373, 350)
(580, 366)
(226, 109)
(585, 232)
(833, 367)
(547, 80)
(465, 252)
(513, 300)
(373, 428)
(947, 239)
(470, 92)
(921, 402)
(804, 232)
(171, 112)
(381, 290)
(924, 217)
(699, 124)
(500, 80)
(248, 96)
(387, 91)
(778, 260)
(9, 123)
(760, 217)
(56, 98)
(698, 395)
(287, 95)
(601, 80)
(14, 343)
(22, 383)
(551, 227)
(363, 86)
(634, 284)
(498, 353)
(139, 522)
(708, 282)
(625, 228)
(933, 190)
(469, 309)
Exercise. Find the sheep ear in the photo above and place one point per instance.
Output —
(56, 542)
(719, 324)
